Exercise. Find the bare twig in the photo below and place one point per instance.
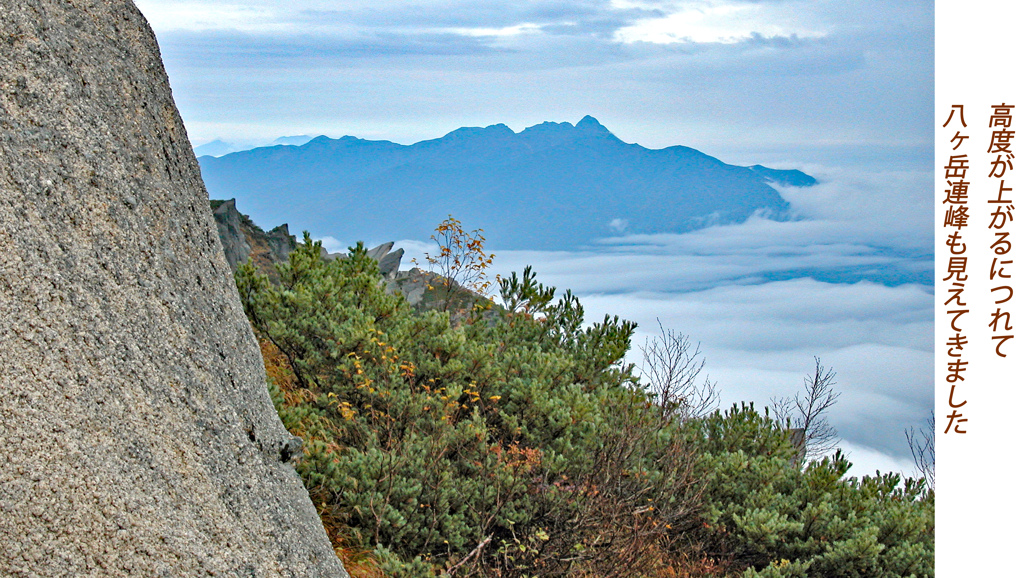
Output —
(672, 370)
(923, 450)
(475, 552)
(809, 411)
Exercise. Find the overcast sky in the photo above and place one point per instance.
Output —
(838, 88)
(721, 76)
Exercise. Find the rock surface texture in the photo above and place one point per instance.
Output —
(138, 437)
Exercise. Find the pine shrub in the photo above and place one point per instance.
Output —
(519, 443)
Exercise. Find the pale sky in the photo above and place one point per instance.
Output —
(723, 76)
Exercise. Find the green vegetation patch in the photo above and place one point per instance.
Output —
(517, 442)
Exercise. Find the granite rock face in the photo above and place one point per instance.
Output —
(138, 437)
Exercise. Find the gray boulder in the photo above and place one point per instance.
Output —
(377, 253)
(390, 263)
(138, 435)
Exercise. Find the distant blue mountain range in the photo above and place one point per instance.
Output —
(219, 148)
(551, 186)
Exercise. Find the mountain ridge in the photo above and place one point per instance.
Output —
(563, 185)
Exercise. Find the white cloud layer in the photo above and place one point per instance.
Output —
(760, 341)
(721, 22)
(745, 292)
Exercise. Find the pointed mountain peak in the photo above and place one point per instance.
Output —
(590, 126)
(590, 123)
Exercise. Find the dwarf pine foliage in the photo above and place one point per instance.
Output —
(517, 442)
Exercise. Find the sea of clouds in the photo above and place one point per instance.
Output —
(848, 280)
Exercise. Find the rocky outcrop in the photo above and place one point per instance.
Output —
(231, 229)
(390, 263)
(242, 239)
(138, 436)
